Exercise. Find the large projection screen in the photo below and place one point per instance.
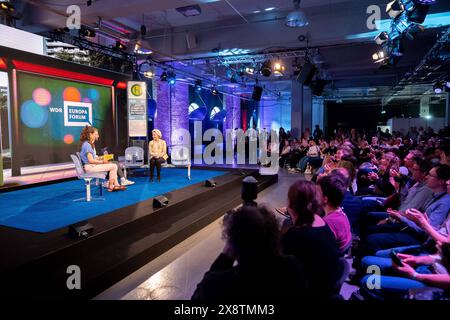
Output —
(52, 113)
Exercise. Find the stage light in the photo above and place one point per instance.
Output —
(426, 1)
(447, 85)
(278, 69)
(86, 32)
(257, 11)
(149, 74)
(214, 91)
(198, 85)
(428, 116)
(171, 78)
(120, 46)
(378, 56)
(296, 18)
(269, 9)
(266, 69)
(394, 9)
(210, 183)
(7, 6)
(250, 70)
(383, 111)
(438, 87)
(381, 38)
(163, 76)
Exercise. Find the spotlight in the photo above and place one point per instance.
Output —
(163, 76)
(447, 85)
(149, 74)
(278, 69)
(171, 78)
(426, 1)
(378, 56)
(296, 18)
(395, 8)
(250, 70)
(86, 32)
(383, 111)
(438, 87)
(7, 6)
(214, 91)
(120, 46)
(266, 69)
(198, 85)
(381, 38)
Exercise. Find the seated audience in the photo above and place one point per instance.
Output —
(261, 273)
(311, 240)
(333, 187)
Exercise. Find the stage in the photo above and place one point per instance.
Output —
(128, 232)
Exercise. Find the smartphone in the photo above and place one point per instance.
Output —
(396, 259)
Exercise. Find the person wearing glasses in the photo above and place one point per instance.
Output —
(436, 209)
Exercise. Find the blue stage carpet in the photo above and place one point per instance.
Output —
(50, 207)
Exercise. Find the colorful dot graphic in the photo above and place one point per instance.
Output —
(68, 139)
(42, 97)
(33, 115)
(71, 94)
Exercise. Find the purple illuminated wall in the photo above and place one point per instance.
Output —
(233, 107)
(172, 108)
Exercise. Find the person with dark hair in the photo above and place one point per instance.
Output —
(312, 156)
(262, 273)
(89, 159)
(311, 240)
(333, 187)
(436, 210)
(420, 267)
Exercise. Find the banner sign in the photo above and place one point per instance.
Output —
(137, 109)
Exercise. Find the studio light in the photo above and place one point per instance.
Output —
(198, 85)
(296, 18)
(426, 1)
(149, 74)
(7, 7)
(278, 69)
(266, 69)
(171, 77)
(163, 76)
(120, 46)
(86, 32)
(382, 38)
(250, 70)
(394, 9)
(438, 87)
(214, 91)
(378, 56)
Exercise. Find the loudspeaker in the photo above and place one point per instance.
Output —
(257, 93)
(160, 202)
(210, 183)
(318, 86)
(80, 231)
(306, 74)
